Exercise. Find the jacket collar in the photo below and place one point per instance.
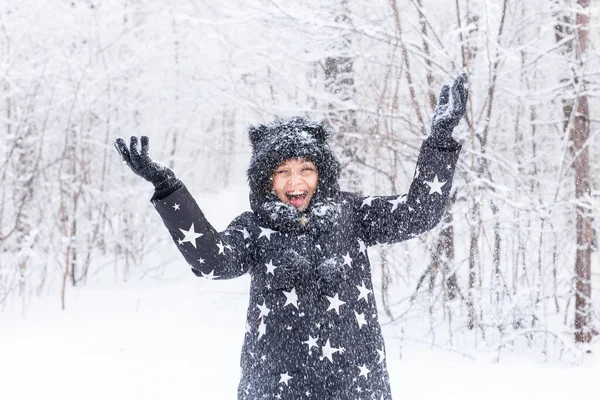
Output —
(319, 217)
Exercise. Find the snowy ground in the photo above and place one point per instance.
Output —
(181, 338)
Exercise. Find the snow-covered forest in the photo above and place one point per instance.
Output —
(513, 268)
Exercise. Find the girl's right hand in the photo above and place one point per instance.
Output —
(141, 163)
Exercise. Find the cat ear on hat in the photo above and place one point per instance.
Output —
(257, 134)
(321, 133)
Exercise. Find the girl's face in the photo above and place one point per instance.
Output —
(295, 182)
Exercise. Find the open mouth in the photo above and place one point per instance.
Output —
(296, 197)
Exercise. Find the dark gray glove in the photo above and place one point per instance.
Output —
(293, 268)
(330, 273)
(451, 107)
(160, 176)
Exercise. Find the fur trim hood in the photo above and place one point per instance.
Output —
(282, 140)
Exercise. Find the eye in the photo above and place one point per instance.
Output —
(308, 170)
(282, 171)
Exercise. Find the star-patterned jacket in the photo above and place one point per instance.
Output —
(306, 337)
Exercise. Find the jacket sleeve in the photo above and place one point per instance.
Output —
(391, 219)
(211, 254)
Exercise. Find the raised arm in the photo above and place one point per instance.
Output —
(389, 219)
(212, 254)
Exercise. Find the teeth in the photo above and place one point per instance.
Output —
(296, 194)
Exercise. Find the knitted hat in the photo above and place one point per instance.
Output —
(285, 139)
(277, 142)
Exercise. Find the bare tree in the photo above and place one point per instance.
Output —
(572, 32)
(339, 81)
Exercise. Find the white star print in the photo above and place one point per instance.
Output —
(176, 206)
(360, 318)
(262, 329)
(368, 201)
(248, 328)
(284, 378)
(264, 310)
(211, 275)
(329, 351)
(266, 232)
(417, 172)
(270, 268)
(245, 233)
(347, 260)
(399, 200)
(335, 303)
(364, 292)
(311, 342)
(201, 260)
(361, 247)
(190, 235)
(364, 371)
(291, 297)
(381, 356)
(435, 186)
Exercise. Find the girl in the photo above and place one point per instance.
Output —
(312, 329)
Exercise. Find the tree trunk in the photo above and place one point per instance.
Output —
(228, 141)
(425, 44)
(339, 81)
(578, 127)
(473, 263)
(442, 256)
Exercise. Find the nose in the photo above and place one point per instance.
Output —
(295, 178)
